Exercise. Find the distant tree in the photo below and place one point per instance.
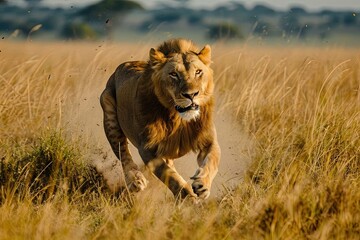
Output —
(262, 10)
(291, 27)
(350, 19)
(327, 12)
(222, 11)
(334, 21)
(33, 3)
(224, 31)
(289, 24)
(78, 31)
(194, 19)
(262, 28)
(109, 12)
(2, 2)
(238, 7)
(304, 31)
(252, 19)
(167, 17)
(297, 10)
(107, 9)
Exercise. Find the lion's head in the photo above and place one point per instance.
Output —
(182, 78)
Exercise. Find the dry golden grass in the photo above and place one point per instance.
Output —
(300, 105)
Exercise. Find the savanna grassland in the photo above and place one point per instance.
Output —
(299, 105)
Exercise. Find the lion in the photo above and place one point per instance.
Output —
(164, 107)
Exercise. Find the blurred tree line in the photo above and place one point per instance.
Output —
(106, 12)
(232, 21)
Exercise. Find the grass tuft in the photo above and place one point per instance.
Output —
(46, 166)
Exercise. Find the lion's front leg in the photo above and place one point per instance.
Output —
(208, 160)
(165, 171)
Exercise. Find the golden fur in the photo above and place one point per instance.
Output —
(164, 107)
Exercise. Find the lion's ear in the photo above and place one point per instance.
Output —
(205, 55)
(156, 57)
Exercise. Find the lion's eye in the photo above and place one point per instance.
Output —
(173, 74)
(198, 72)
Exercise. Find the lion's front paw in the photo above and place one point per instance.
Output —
(200, 188)
(136, 181)
(201, 184)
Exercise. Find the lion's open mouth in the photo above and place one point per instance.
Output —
(192, 106)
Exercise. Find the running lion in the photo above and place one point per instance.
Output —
(164, 106)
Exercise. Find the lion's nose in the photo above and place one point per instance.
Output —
(190, 95)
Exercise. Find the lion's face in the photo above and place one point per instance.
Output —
(183, 81)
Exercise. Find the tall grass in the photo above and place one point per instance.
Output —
(300, 105)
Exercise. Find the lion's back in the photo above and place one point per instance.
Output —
(129, 71)
(124, 85)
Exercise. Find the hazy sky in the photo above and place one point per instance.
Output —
(279, 4)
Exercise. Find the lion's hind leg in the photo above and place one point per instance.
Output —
(135, 180)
